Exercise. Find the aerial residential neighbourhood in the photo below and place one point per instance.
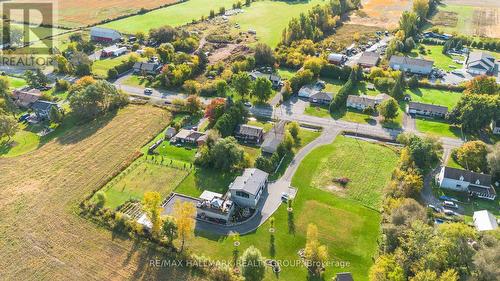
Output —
(250, 140)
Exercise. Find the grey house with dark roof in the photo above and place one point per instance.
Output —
(248, 133)
(480, 63)
(42, 108)
(466, 181)
(247, 189)
(412, 65)
(368, 59)
(147, 67)
(274, 78)
(321, 98)
(426, 109)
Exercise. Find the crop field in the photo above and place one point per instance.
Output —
(476, 18)
(71, 13)
(381, 13)
(262, 16)
(42, 237)
(174, 15)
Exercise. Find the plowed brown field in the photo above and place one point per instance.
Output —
(41, 235)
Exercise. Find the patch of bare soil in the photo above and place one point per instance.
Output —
(443, 18)
(486, 22)
(382, 13)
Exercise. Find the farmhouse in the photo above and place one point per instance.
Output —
(426, 109)
(214, 206)
(247, 189)
(369, 59)
(484, 220)
(466, 181)
(26, 97)
(495, 127)
(113, 51)
(247, 133)
(274, 78)
(101, 34)
(337, 59)
(42, 108)
(480, 63)
(412, 65)
(321, 98)
(363, 101)
(147, 68)
(189, 137)
(274, 137)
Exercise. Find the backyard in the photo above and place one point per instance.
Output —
(442, 61)
(141, 177)
(100, 67)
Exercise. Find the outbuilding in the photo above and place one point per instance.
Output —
(101, 34)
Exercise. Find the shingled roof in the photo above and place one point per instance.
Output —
(249, 130)
(467, 176)
(428, 107)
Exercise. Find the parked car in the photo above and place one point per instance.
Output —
(450, 204)
(285, 197)
(438, 221)
(448, 212)
(148, 91)
(248, 104)
(24, 117)
(434, 208)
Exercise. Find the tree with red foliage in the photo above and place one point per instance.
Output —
(215, 109)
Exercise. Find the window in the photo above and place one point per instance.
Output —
(242, 194)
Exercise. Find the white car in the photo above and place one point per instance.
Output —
(450, 204)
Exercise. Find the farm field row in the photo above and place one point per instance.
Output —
(475, 19)
(41, 191)
(261, 16)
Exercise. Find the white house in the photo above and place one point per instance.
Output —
(480, 63)
(484, 220)
(364, 101)
(113, 51)
(247, 189)
(413, 65)
(426, 109)
(466, 181)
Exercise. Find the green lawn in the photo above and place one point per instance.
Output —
(267, 126)
(462, 24)
(368, 166)
(437, 127)
(15, 82)
(286, 73)
(175, 15)
(101, 67)
(442, 61)
(25, 140)
(348, 229)
(140, 81)
(142, 177)
(269, 18)
(434, 96)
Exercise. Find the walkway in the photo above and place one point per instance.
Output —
(271, 199)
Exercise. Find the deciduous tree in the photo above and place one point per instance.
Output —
(184, 215)
(472, 156)
(388, 109)
(315, 253)
(151, 205)
(262, 89)
(252, 264)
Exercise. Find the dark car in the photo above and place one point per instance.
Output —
(24, 117)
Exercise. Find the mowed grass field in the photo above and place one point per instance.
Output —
(269, 18)
(41, 235)
(175, 15)
(143, 178)
(347, 228)
(367, 165)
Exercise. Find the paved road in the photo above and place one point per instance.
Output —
(271, 199)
